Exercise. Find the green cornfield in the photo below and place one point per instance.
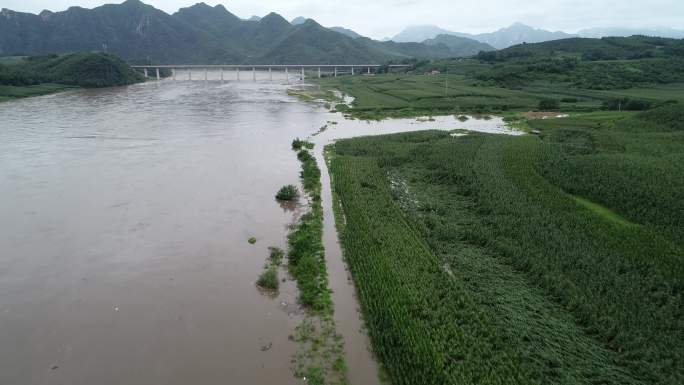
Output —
(550, 259)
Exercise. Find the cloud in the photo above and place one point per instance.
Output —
(381, 18)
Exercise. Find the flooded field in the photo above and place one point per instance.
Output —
(125, 215)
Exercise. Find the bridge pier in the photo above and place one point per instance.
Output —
(368, 70)
(206, 77)
(145, 70)
(270, 73)
(221, 74)
(335, 71)
(173, 71)
(319, 72)
(352, 70)
(253, 74)
(287, 75)
(302, 73)
(238, 72)
(158, 77)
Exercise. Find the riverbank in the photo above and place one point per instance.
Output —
(17, 92)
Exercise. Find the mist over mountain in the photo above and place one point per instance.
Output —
(346, 31)
(420, 33)
(200, 34)
(517, 33)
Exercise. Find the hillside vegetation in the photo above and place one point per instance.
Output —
(544, 259)
(38, 75)
(608, 63)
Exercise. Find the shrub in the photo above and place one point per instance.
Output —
(269, 279)
(287, 193)
(549, 104)
(626, 104)
(299, 144)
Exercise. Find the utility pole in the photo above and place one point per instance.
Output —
(446, 83)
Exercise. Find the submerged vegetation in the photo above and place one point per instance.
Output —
(269, 278)
(299, 144)
(321, 355)
(554, 258)
(306, 260)
(287, 193)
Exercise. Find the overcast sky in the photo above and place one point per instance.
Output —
(385, 18)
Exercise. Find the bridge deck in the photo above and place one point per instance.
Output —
(250, 66)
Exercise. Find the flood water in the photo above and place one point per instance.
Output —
(124, 220)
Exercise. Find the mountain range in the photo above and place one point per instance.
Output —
(605, 32)
(517, 33)
(204, 34)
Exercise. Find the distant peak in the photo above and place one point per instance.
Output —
(298, 20)
(519, 25)
(273, 18)
(311, 22)
(273, 15)
(6, 13)
(45, 14)
(133, 3)
(200, 5)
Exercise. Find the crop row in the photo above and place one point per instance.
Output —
(556, 291)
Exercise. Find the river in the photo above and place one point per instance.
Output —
(125, 215)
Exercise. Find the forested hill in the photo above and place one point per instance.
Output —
(79, 69)
(598, 64)
(607, 48)
(199, 34)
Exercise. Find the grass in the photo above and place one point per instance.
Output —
(409, 95)
(276, 255)
(602, 211)
(320, 358)
(309, 94)
(15, 92)
(476, 262)
(306, 260)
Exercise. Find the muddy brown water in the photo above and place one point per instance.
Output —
(124, 219)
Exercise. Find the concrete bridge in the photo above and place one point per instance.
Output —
(318, 69)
